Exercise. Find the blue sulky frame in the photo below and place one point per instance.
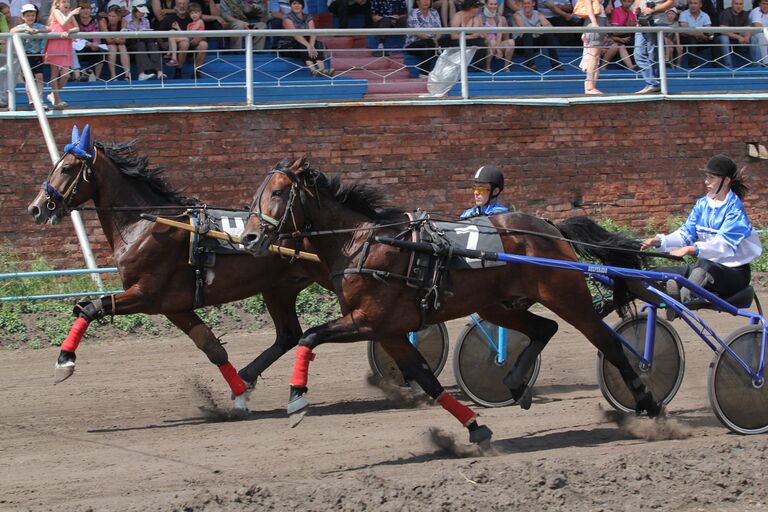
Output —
(604, 274)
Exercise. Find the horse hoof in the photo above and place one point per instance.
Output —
(651, 408)
(526, 399)
(298, 406)
(241, 400)
(62, 372)
(481, 436)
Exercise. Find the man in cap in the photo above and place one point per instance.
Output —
(487, 184)
(717, 232)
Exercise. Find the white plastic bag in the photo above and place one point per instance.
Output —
(447, 71)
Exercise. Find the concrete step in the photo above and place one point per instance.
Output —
(376, 76)
(345, 42)
(367, 63)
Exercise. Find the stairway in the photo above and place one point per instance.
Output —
(387, 76)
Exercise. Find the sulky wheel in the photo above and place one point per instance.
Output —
(663, 377)
(477, 370)
(431, 342)
(739, 402)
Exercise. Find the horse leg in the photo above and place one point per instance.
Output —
(206, 341)
(281, 306)
(85, 313)
(576, 309)
(412, 364)
(538, 329)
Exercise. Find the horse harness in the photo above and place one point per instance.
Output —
(429, 270)
(84, 173)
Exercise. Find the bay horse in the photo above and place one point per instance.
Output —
(340, 221)
(152, 259)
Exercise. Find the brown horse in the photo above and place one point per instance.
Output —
(153, 260)
(377, 305)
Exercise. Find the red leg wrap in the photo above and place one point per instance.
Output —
(75, 335)
(301, 367)
(461, 412)
(236, 384)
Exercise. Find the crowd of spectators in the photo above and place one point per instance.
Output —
(83, 58)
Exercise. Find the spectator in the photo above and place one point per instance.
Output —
(89, 52)
(447, 9)
(32, 47)
(58, 53)
(423, 46)
(593, 43)
(16, 5)
(236, 14)
(114, 22)
(343, 9)
(617, 43)
(211, 14)
(388, 14)
(758, 17)
(645, 44)
(467, 18)
(559, 13)
(713, 8)
(307, 49)
(733, 42)
(500, 45)
(531, 18)
(5, 23)
(161, 9)
(181, 20)
(278, 10)
(695, 42)
(672, 41)
(146, 52)
(125, 7)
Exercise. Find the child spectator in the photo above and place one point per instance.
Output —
(145, 52)
(32, 47)
(58, 53)
(89, 53)
(617, 43)
(181, 19)
(114, 22)
(672, 41)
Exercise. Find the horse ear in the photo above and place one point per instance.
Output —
(75, 135)
(299, 165)
(85, 140)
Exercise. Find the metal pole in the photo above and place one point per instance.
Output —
(463, 61)
(662, 63)
(53, 151)
(10, 75)
(248, 70)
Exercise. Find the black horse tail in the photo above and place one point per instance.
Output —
(613, 249)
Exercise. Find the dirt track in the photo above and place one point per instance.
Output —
(127, 433)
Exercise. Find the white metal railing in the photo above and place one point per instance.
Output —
(293, 70)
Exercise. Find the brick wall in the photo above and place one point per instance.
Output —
(640, 160)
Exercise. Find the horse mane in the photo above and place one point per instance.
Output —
(130, 163)
(363, 198)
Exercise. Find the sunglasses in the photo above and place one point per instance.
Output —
(479, 189)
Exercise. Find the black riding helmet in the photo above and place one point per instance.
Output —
(493, 176)
(721, 165)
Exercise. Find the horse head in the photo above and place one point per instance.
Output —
(69, 183)
(274, 208)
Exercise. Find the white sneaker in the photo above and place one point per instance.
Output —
(649, 89)
(146, 76)
(91, 76)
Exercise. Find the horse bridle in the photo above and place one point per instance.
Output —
(297, 190)
(84, 173)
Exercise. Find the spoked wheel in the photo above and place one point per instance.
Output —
(431, 342)
(664, 375)
(739, 403)
(477, 369)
